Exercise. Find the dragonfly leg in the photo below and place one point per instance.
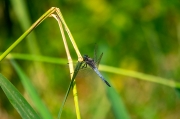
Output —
(84, 66)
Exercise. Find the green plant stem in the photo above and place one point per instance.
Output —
(71, 85)
(44, 16)
(60, 19)
(76, 102)
(141, 76)
(17, 100)
(110, 69)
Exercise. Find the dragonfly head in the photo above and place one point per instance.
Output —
(85, 57)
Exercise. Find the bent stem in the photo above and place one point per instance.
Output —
(60, 19)
(43, 17)
(69, 34)
(70, 67)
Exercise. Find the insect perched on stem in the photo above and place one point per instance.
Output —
(90, 62)
(94, 63)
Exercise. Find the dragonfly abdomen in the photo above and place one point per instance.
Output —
(98, 73)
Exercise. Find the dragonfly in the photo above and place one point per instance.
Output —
(93, 63)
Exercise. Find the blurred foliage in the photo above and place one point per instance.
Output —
(137, 35)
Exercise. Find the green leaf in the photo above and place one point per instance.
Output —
(142, 76)
(17, 100)
(41, 108)
(117, 104)
(78, 66)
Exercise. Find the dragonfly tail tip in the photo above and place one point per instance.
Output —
(107, 83)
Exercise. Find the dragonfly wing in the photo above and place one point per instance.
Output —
(99, 74)
(95, 52)
(98, 61)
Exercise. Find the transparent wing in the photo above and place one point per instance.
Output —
(95, 53)
(98, 61)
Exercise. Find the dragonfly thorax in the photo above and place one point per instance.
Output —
(87, 58)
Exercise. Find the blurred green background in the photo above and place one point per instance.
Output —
(139, 35)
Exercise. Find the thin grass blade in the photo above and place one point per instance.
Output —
(117, 104)
(142, 76)
(17, 100)
(41, 108)
(77, 68)
(37, 58)
(22, 14)
(44, 16)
